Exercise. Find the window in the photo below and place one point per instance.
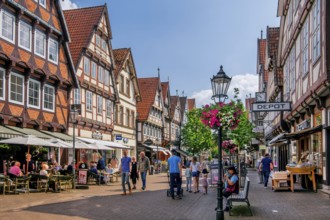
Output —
(76, 96)
(121, 88)
(305, 48)
(121, 119)
(42, 3)
(98, 40)
(127, 87)
(109, 108)
(8, 26)
(34, 93)
(100, 74)
(292, 69)
(16, 88)
(2, 84)
(104, 44)
(316, 31)
(132, 119)
(89, 101)
(106, 77)
(40, 43)
(144, 129)
(49, 97)
(94, 66)
(99, 104)
(127, 117)
(25, 35)
(53, 50)
(86, 65)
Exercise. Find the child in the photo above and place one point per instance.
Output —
(188, 179)
(205, 183)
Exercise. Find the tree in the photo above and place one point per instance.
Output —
(195, 135)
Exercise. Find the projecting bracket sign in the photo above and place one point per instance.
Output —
(271, 106)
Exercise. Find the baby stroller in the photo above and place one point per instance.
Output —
(168, 192)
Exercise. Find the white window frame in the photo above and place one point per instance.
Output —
(106, 74)
(305, 48)
(99, 105)
(43, 4)
(316, 42)
(108, 108)
(94, 70)
(76, 96)
(2, 97)
(89, 101)
(28, 90)
(104, 44)
(100, 74)
(22, 23)
(52, 41)
(98, 40)
(23, 89)
(43, 106)
(13, 26)
(87, 66)
(35, 43)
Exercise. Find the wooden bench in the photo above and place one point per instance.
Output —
(242, 196)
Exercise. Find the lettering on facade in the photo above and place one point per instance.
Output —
(304, 125)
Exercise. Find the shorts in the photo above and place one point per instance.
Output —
(194, 174)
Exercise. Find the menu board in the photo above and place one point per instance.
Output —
(82, 177)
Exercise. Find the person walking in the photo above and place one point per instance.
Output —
(175, 169)
(134, 172)
(125, 169)
(143, 168)
(260, 174)
(188, 179)
(195, 170)
(266, 166)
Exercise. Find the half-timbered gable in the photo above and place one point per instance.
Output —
(129, 95)
(36, 70)
(166, 111)
(176, 118)
(150, 119)
(92, 57)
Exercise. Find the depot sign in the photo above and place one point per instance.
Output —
(271, 106)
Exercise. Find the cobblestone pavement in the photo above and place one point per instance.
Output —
(105, 202)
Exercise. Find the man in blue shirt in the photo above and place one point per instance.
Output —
(175, 169)
(125, 169)
(266, 166)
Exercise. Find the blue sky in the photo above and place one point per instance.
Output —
(189, 39)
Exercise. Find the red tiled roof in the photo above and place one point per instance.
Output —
(273, 35)
(81, 23)
(165, 86)
(148, 88)
(120, 56)
(262, 51)
(191, 104)
(174, 102)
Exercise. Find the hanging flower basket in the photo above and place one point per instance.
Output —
(222, 114)
(229, 147)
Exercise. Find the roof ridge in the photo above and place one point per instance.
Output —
(77, 9)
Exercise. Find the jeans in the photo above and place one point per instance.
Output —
(188, 183)
(175, 179)
(125, 180)
(261, 177)
(144, 178)
(266, 176)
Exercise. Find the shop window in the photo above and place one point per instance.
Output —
(317, 120)
(315, 157)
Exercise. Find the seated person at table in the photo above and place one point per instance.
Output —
(57, 167)
(93, 172)
(70, 168)
(82, 165)
(44, 172)
(100, 163)
(15, 170)
(109, 169)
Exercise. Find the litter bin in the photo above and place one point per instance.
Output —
(151, 172)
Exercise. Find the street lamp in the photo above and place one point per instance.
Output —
(75, 109)
(220, 84)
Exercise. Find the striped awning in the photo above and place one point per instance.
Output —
(30, 131)
(6, 132)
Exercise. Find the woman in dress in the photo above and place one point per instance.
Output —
(134, 173)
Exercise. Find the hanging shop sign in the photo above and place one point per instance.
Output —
(271, 106)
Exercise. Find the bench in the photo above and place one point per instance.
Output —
(242, 196)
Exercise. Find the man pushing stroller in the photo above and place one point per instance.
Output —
(175, 169)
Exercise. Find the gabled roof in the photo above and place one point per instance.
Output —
(183, 101)
(81, 24)
(120, 56)
(174, 103)
(148, 88)
(273, 34)
(165, 87)
(191, 104)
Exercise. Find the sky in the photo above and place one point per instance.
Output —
(189, 40)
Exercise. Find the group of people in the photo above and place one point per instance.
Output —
(192, 173)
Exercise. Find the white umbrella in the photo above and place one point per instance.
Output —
(60, 143)
(99, 146)
(28, 140)
(82, 145)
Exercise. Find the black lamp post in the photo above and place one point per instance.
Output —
(75, 109)
(220, 84)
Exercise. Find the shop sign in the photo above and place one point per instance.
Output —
(119, 137)
(97, 135)
(271, 106)
(304, 125)
(148, 142)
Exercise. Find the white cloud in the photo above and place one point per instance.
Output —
(68, 4)
(246, 83)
